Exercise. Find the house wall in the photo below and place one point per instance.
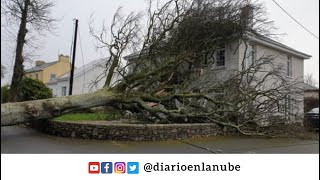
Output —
(59, 69)
(213, 73)
(280, 58)
(234, 62)
(56, 87)
(311, 94)
(83, 83)
(35, 75)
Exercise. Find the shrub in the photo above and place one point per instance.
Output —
(4, 93)
(32, 89)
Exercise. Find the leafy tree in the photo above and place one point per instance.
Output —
(28, 89)
(4, 93)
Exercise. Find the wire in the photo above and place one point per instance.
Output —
(295, 19)
(84, 71)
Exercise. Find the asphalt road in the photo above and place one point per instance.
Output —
(16, 139)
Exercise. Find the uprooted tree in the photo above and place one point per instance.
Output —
(180, 73)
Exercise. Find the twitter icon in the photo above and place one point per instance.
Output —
(132, 167)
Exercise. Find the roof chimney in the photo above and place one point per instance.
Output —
(64, 58)
(247, 16)
(39, 63)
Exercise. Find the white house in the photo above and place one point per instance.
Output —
(290, 59)
(239, 55)
(89, 78)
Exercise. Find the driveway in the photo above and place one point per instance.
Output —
(17, 139)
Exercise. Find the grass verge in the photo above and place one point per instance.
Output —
(88, 117)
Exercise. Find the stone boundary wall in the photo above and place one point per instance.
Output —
(130, 132)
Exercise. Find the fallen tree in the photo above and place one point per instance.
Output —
(175, 77)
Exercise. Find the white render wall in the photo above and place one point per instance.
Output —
(280, 58)
(83, 82)
(57, 88)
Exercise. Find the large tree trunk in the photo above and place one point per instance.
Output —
(18, 65)
(22, 112)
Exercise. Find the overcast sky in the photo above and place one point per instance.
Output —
(305, 11)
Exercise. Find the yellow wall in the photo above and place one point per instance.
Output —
(33, 75)
(60, 68)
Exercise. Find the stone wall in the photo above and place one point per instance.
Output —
(130, 132)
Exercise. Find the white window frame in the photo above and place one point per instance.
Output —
(288, 106)
(251, 56)
(52, 78)
(64, 93)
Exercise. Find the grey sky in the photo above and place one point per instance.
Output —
(305, 11)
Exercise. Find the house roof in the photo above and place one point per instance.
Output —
(308, 87)
(277, 45)
(133, 55)
(258, 39)
(82, 70)
(41, 67)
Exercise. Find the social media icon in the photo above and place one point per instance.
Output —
(119, 167)
(106, 167)
(133, 168)
(94, 167)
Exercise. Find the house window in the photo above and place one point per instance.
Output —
(52, 76)
(288, 106)
(36, 75)
(219, 96)
(197, 72)
(63, 91)
(250, 56)
(289, 66)
(220, 57)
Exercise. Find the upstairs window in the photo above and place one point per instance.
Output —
(52, 76)
(220, 58)
(289, 66)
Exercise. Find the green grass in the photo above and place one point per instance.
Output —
(88, 117)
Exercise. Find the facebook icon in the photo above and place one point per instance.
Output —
(106, 167)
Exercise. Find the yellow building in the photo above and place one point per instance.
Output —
(48, 71)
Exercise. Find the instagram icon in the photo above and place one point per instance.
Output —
(119, 167)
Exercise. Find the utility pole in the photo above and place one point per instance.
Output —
(73, 57)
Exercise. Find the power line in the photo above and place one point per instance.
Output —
(84, 71)
(295, 20)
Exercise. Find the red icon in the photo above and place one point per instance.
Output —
(94, 167)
